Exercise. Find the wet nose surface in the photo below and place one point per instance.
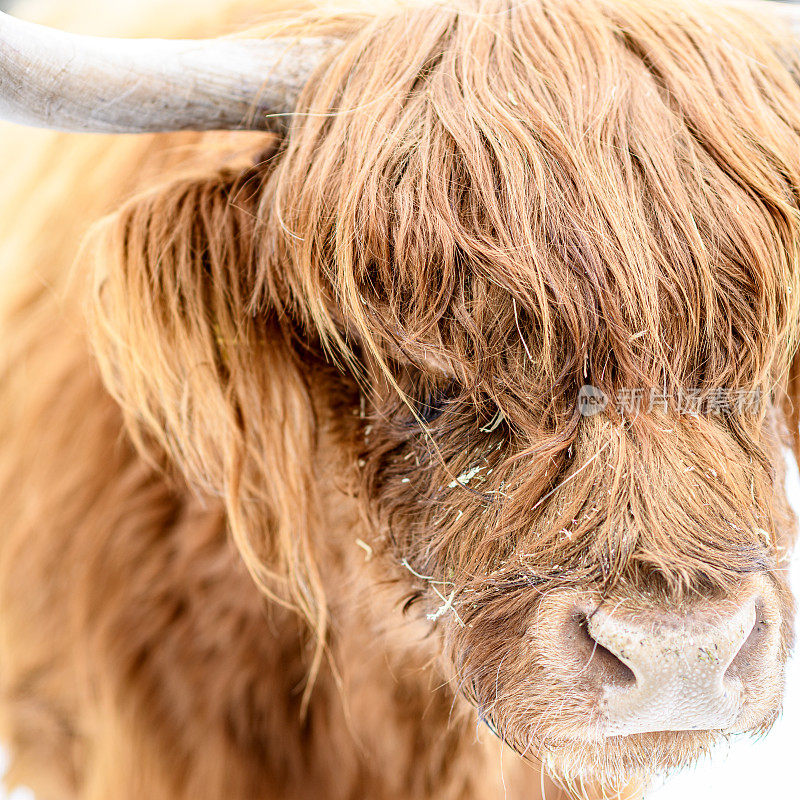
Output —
(672, 672)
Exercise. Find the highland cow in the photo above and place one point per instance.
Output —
(452, 394)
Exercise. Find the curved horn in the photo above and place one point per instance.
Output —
(52, 79)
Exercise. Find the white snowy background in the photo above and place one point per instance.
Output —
(744, 769)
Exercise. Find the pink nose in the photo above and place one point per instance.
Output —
(680, 670)
(665, 671)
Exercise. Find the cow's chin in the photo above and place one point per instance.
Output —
(616, 761)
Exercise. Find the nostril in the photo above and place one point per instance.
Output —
(746, 662)
(598, 658)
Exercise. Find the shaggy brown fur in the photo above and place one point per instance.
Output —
(358, 351)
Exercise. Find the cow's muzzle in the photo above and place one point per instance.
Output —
(708, 667)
